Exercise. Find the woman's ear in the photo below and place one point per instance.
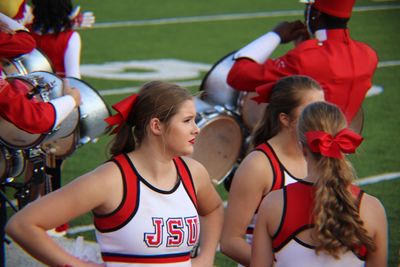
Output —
(303, 149)
(156, 126)
(284, 119)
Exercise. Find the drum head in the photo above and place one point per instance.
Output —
(216, 89)
(250, 111)
(218, 145)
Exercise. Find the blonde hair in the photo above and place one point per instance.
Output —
(337, 223)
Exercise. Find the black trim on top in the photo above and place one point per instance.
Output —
(304, 244)
(283, 168)
(274, 174)
(121, 204)
(293, 235)
(194, 201)
(124, 198)
(283, 216)
(152, 187)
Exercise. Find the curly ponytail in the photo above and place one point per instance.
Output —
(338, 226)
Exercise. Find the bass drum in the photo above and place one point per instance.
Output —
(216, 90)
(219, 143)
(250, 111)
(93, 110)
(42, 86)
(12, 163)
(26, 63)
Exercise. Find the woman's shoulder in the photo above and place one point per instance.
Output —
(194, 166)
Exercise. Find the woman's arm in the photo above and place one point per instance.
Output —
(210, 209)
(72, 57)
(28, 226)
(374, 217)
(252, 179)
(266, 226)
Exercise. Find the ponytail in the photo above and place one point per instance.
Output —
(337, 223)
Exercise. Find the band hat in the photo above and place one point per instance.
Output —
(336, 8)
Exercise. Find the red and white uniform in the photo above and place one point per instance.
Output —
(63, 50)
(30, 116)
(151, 227)
(297, 216)
(281, 178)
(13, 45)
(344, 67)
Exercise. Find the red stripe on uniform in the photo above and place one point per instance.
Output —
(182, 257)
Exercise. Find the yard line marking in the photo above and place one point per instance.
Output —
(135, 89)
(389, 63)
(378, 178)
(224, 17)
(362, 181)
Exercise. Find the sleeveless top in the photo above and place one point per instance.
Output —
(151, 227)
(281, 177)
(297, 217)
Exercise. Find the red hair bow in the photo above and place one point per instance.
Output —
(123, 108)
(264, 92)
(345, 141)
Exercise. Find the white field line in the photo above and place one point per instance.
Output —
(224, 17)
(133, 89)
(127, 90)
(363, 181)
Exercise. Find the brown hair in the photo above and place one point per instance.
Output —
(155, 99)
(338, 225)
(285, 97)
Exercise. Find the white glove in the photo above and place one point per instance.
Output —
(81, 20)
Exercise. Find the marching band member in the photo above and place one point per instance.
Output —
(323, 220)
(276, 161)
(151, 205)
(344, 67)
(30, 116)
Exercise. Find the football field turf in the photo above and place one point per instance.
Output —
(136, 36)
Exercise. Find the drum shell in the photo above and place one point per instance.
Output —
(219, 142)
(216, 90)
(250, 111)
(26, 63)
(12, 162)
(93, 110)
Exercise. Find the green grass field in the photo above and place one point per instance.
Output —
(207, 41)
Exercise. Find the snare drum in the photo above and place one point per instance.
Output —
(26, 63)
(216, 90)
(12, 162)
(250, 111)
(219, 143)
(43, 86)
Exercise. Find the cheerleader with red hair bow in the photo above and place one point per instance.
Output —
(323, 220)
